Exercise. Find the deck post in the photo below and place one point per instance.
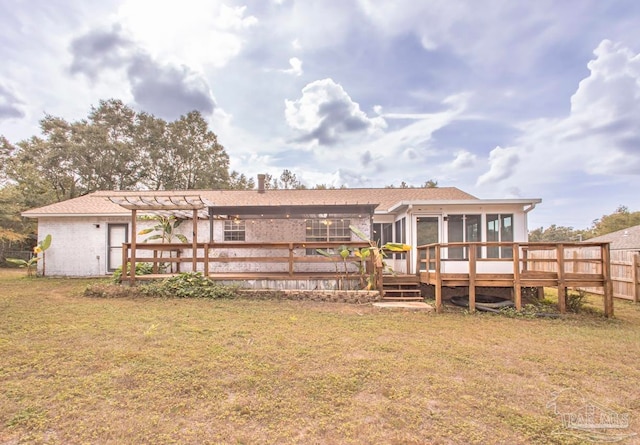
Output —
(517, 287)
(438, 281)
(194, 242)
(155, 261)
(635, 263)
(134, 232)
(608, 284)
(562, 289)
(290, 259)
(206, 259)
(472, 278)
(125, 254)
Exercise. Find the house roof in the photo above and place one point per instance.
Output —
(625, 239)
(386, 199)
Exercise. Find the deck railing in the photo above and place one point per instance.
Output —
(247, 260)
(516, 265)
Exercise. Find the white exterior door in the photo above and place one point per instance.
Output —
(117, 234)
(427, 232)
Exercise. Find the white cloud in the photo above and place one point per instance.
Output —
(296, 67)
(599, 136)
(197, 33)
(326, 114)
(464, 159)
(502, 162)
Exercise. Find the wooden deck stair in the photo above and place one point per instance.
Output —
(401, 288)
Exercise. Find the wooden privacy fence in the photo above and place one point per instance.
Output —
(625, 269)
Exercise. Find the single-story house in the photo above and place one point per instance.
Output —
(88, 232)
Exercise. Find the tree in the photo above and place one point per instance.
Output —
(195, 158)
(555, 234)
(151, 137)
(404, 185)
(106, 155)
(621, 219)
(239, 181)
(287, 180)
(114, 148)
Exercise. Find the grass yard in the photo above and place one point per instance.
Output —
(76, 370)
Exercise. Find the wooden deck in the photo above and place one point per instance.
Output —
(518, 268)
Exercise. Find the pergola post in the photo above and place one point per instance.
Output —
(134, 232)
(194, 242)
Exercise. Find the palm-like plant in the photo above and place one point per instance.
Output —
(166, 231)
(29, 264)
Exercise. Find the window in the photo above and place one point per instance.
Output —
(234, 230)
(382, 233)
(321, 230)
(500, 229)
(463, 229)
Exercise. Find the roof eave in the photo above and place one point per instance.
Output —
(73, 215)
(474, 202)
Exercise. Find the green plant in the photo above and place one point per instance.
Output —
(166, 228)
(29, 264)
(189, 285)
(576, 300)
(141, 269)
(378, 253)
(344, 253)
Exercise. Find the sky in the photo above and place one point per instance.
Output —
(500, 98)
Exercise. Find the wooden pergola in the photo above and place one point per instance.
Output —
(181, 206)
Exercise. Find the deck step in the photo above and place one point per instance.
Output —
(400, 288)
(401, 291)
(387, 298)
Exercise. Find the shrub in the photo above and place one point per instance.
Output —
(189, 285)
(576, 301)
(141, 269)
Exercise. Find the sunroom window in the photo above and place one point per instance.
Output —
(463, 229)
(500, 229)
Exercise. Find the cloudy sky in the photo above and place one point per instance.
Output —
(500, 98)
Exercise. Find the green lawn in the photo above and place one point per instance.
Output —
(148, 371)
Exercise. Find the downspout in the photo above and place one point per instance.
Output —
(526, 218)
(414, 249)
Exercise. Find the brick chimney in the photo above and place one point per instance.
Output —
(261, 178)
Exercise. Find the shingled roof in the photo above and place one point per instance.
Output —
(97, 203)
(625, 239)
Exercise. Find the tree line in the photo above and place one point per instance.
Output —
(620, 219)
